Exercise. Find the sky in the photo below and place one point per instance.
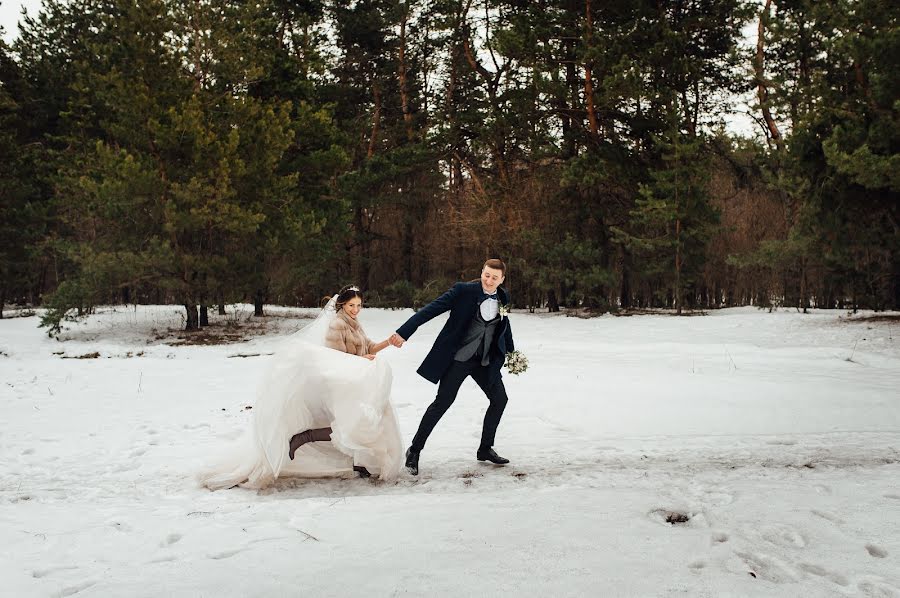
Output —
(10, 13)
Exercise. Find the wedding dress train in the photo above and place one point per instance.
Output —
(310, 386)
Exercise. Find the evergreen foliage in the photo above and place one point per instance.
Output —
(218, 151)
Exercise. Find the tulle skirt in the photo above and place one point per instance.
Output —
(306, 387)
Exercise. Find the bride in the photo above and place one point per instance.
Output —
(323, 407)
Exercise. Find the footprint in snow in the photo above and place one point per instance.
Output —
(877, 588)
(768, 567)
(196, 426)
(226, 554)
(697, 566)
(72, 590)
(125, 467)
(784, 535)
(822, 572)
(828, 516)
(718, 499)
(39, 573)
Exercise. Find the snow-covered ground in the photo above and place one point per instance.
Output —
(777, 434)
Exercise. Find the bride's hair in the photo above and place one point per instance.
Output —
(345, 295)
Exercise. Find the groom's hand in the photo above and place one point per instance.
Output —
(397, 340)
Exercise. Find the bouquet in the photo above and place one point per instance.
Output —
(516, 362)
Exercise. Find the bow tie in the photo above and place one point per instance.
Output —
(485, 296)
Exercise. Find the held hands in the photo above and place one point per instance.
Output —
(369, 356)
(396, 340)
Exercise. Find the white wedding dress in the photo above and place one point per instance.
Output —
(308, 386)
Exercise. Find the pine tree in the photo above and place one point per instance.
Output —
(22, 214)
(182, 167)
(673, 219)
(834, 81)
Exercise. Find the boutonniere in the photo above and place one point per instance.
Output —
(504, 310)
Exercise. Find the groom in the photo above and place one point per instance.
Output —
(473, 342)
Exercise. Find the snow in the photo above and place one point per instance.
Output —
(777, 434)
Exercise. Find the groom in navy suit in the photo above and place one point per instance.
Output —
(474, 342)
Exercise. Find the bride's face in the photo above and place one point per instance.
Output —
(352, 307)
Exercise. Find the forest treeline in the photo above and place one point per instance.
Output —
(213, 151)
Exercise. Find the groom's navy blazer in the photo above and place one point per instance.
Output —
(462, 300)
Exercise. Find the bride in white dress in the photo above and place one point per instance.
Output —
(323, 408)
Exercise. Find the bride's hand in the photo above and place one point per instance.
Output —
(370, 357)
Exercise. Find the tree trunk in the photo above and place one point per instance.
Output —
(37, 293)
(804, 302)
(221, 309)
(408, 247)
(552, 302)
(895, 292)
(678, 291)
(625, 286)
(204, 315)
(2, 301)
(458, 190)
(565, 115)
(193, 317)
(492, 82)
(572, 89)
(364, 244)
(588, 81)
(258, 303)
(762, 90)
(376, 120)
(401, 72)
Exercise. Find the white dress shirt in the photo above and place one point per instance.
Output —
(489, 309)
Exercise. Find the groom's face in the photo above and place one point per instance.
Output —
(491, 278)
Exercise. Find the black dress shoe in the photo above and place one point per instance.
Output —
(412, 461)
(488, 454)
(362, 471)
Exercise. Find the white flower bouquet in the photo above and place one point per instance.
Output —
(516, 362)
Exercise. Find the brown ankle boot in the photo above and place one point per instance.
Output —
(298, 440)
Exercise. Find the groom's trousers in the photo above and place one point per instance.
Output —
(446, 394)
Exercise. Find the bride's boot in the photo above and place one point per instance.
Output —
(298, 440)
